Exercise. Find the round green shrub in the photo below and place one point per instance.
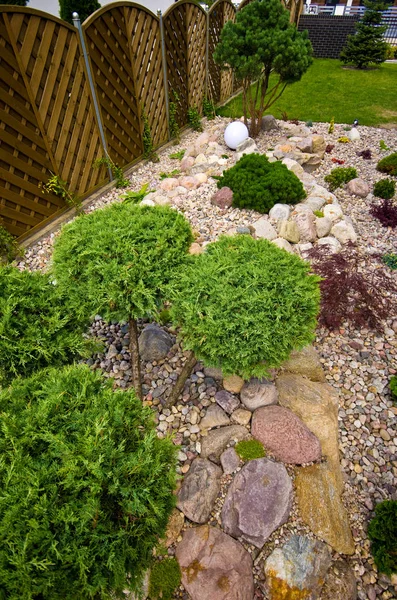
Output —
(8, 246)
(259, 184)
(340, 176)
(165, 577)
(118, 260)
(36, 327)
(390, 260)
(250, 449)
(245, 304)
(382, 531)
(86, 487)
(388, 164)
(385, 188)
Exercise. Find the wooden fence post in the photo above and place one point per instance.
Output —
(207, 49)
(77, 24)
(164, 59)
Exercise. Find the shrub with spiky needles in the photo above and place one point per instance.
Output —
(245, 304)
(86, 487)
(36, 327)
(382, 531)
(117, 262)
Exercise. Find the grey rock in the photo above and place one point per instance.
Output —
(214, 566)
(280, 211)
(306, 226)
(154, 343)
(293, 165)
(358, 187)
(246, 144)
(264, 230)
(344, 232)
(256, 393)
(217, 439)
(297, 569)
(332, 244)
(258, 501)
(333, 212)
(314, 202)
(323, 226)
(200, 487)
(214, 373)
(340, 582)
(230, 461)
(283, 244)
(269, 123)
(305, 145)
(215, 417)
(282, 432)
(227, 401)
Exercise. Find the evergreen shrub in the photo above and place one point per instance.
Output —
(382, 531)
(340, 176)
(36, 327)
(86, 487)
(390, 260)
(385, 188)
(244, 305)
(388, 164)
(393, 388)
(8, 246)
(259, 184)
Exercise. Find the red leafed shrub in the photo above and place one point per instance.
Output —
(386, 212)
(366, 154)
(350, 293)
(338, 161)
(329, 148)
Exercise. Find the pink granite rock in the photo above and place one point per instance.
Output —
(223, 198)
(285, 435)
(214, 566)
(258, 501)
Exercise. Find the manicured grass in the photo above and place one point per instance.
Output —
(328, 90)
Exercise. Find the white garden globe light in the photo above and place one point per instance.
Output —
(235, 133)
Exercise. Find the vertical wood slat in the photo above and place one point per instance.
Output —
(176, 48)
(220, 82)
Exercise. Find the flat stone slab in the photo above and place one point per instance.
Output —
(321, 507)
(305, 362)
(227, 401)
(285, 435)
(217, 440)
(215, 417)
(297, 569)
(214, 566)
(258, 501)
(200, 487)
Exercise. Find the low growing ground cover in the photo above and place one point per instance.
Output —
(367, 95)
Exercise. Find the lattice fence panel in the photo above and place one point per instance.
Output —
(176, 48)
(109, 50)
(54, 70)
(24, 160)
(197, 36)
(143, 31)
(220, 82)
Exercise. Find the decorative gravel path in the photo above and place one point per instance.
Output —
(358, 363)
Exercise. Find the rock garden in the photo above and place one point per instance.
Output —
(282, 456)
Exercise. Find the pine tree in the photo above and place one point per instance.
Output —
(15, 2)
(84, 8)
(263, 42)
(367, 46)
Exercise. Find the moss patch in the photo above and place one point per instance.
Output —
(165, 577)
(250, 449)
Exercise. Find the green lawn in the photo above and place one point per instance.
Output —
(328, 90)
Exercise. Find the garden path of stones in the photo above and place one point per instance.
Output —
(280, 526)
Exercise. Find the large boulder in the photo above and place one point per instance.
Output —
(344, 232)
(297, 569)
(289, 231)
(283, 244)
(258, 392)
(214, 566)
(217, 440)
(323, 226)
(269, 123)
(331, 243)
(199, 489)
(305, 362)
(285, 435)
(280, 211)
(321, 507)
(316, 404)
(214, 417)
(264, 229)
(305, 222)
(258, 501)
(154, 343)
(358, 187)
(227, 401)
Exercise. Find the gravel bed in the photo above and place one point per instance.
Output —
(359, 363)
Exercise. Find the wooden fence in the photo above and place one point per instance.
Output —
(136, 62)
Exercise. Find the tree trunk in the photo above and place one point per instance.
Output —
(180, 383)
(135, 360)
